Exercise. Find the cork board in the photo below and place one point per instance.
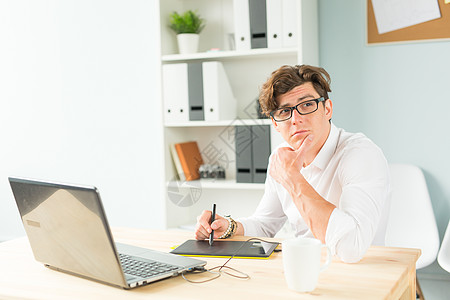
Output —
(431, 30)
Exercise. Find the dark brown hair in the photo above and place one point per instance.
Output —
(286, 78)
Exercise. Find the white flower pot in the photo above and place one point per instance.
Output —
(187, 42)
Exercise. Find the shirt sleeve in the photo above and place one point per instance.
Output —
(364, 175)
(269, 216)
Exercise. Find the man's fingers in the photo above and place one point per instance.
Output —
(201, 233)
(203, 228)
(305, 145)
(219, 224)
(204, 220)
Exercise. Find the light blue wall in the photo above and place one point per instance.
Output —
(397, 94)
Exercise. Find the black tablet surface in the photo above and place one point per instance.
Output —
(243, 249)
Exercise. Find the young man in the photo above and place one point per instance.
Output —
(328, 183)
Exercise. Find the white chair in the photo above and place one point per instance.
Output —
(411, 222)
(444, 252)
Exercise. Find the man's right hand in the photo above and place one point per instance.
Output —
(203, 228)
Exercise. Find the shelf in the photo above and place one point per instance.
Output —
(223, 123)
(228, 54)
(215, 184)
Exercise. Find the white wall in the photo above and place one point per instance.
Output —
(79, 102)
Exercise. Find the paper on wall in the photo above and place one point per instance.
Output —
(396, 14)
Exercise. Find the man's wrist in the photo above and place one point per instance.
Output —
(239, 228)
(231, 230)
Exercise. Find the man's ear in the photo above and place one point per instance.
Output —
(329, 109)
(275, 124)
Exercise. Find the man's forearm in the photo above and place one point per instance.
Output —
(314, 209)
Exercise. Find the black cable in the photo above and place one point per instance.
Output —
(219, 273)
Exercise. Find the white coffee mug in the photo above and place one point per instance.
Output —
(301, 261)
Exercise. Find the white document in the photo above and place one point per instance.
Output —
(396, 14)
(241, 24)
(274, 23)
(219, 101)
(290, 22)
(176, 93)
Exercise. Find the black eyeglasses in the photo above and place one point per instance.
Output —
(303, 108)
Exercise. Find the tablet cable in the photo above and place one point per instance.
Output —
(220, 271)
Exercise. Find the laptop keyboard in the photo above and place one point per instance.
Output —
(143, 267)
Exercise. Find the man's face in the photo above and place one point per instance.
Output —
(296, 129)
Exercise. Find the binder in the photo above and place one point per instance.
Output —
(195, 92)
(219, 101)
(253, 148)
(241, 24)
(190, 159)
(175, 93)
(290, 14)
(177, 163)
(258, 24)
(274, 24)
(243, 149)
(260, 152)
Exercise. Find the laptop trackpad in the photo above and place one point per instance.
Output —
(145, 253)
(129, 277)
(130, 250)
(159, 256)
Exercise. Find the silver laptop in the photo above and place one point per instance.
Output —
(68, 231)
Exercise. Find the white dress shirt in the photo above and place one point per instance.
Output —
(351, 172)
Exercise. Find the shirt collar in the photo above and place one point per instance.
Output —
(326, 153)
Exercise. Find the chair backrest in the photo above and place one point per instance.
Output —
(411, 221)
(444, 252)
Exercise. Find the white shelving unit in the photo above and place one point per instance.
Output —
(219, 184)
(222, 123)
(246, 71)
(225, 55)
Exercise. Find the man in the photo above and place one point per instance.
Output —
(328, 183)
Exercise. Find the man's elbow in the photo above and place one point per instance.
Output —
(350, 258)
(351, 254)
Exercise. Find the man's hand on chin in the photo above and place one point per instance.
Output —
(286, 163)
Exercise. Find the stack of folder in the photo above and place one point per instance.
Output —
(265, 23)
(252, 153)
(197, 91)
(253, 146)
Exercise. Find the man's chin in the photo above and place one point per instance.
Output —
(297, 144)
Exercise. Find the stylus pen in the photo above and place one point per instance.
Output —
(213, 217)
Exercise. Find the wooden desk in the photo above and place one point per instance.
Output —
(384, 273)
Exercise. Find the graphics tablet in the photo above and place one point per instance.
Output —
(243, 249)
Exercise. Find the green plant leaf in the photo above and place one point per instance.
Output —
(189, 22)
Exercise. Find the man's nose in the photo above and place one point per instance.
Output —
(296, 116)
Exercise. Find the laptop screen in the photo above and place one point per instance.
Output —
(67, 228)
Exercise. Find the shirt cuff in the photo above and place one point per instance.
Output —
(248, 226)
(339, 225)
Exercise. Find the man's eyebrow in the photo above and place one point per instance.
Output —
(299, 100)
(285, 105)
(305, 96)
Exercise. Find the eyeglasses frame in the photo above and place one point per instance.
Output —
(317, 100)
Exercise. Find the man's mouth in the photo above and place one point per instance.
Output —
(299, 132)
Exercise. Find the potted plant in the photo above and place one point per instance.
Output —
(187, 27)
